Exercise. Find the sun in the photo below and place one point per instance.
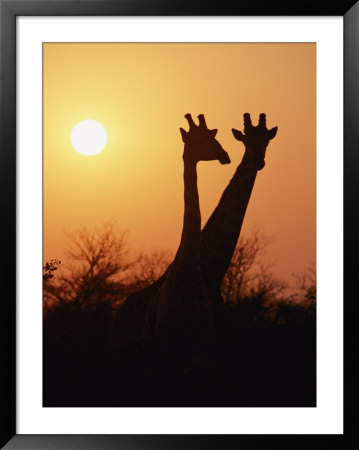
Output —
(88, 137)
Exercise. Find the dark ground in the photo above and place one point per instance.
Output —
(256, 359)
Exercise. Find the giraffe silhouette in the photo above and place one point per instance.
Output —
(180, 290)
(180, 315)
(220, 235)
(218, 238)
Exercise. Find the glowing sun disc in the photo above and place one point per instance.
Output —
(88, 137)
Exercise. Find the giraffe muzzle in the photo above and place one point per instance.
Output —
(225, 159)
(261, 165)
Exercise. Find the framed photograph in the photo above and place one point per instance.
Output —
(178, 172)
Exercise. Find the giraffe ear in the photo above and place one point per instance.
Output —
(214, 132)
(238, 134)
(183, 134)
(272, 132)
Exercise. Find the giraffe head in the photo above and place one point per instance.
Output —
(255, 140)
(200, 143)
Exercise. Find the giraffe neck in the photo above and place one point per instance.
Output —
(191, 231)
(220, 235)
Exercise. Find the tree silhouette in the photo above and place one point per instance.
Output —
(148, 268)
(49, 268)
(247, 275)
(97, 266)
(49, 289)
(306, 285)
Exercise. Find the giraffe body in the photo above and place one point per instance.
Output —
(180, 316)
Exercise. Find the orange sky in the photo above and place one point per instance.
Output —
(140, 93)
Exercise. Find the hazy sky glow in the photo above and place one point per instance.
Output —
(140, 93)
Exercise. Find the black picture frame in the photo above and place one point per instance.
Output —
(9, 10)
